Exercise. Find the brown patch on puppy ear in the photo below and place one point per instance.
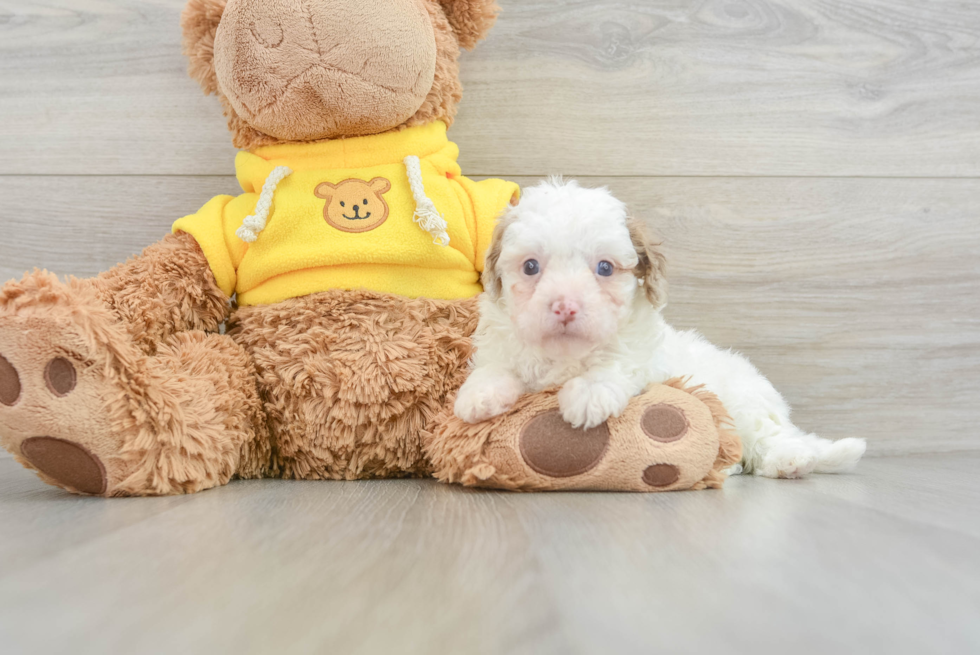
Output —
(652, 265)
(492, 283)
(471, 19)
(199, 22)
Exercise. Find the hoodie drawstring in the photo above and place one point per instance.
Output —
(252, 225)
(426, 215)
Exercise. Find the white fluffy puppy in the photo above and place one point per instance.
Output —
(573, 293)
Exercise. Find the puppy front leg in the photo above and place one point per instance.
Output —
(487, 392)
(591, 399)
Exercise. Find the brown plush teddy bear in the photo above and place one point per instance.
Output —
(345, 273)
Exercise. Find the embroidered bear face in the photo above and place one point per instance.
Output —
(354, 205)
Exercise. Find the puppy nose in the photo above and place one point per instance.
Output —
(565, 310)
(356, 207)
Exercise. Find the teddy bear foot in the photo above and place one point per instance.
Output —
(669, 438)
(94, 415)
(52, 385)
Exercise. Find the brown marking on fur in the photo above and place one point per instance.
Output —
(60, 376)
(9, 383)
(491, 278)
(652, 265)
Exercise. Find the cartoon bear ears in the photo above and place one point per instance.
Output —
(377, 186)
(471, 20)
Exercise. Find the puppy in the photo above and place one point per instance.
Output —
(573, 292)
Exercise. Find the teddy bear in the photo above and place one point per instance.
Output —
(317, 325)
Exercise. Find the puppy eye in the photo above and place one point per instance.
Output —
(531, 267)
(605, 269)
(364, 201)
(342, 204)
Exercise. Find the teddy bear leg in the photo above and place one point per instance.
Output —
(95, 414)
(669, 438)
(351, 379)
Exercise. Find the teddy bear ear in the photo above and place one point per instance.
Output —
(199, 22)
(470, 19)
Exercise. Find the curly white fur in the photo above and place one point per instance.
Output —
(599, 338)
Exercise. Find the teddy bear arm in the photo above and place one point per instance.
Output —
(167, 289)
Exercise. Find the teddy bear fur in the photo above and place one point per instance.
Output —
(457, 24)
(333, 385)
(147, 380)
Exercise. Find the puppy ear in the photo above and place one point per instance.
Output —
(493, 285)
(470, 19)
(652, 265)
(199, 22)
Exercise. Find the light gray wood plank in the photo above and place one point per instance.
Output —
(933, 489)
(667, 87)
(415, 566)
(858, 298)
(66, 521)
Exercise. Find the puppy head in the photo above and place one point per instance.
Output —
(568, 264)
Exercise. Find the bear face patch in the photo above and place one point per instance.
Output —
(354, 205)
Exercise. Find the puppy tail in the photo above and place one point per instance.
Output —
(839, 456)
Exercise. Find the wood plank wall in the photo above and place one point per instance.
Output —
(813, 167)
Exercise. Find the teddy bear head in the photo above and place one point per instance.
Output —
(307, 70)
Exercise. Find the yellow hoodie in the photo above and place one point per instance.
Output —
(343, 214)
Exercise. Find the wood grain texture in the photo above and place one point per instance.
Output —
(858, 298)
(666, 87)
(883, 560)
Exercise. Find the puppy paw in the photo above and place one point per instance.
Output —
(482, 399)
(586, 404)
(788, 459)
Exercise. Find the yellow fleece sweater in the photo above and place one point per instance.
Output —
(343, 219)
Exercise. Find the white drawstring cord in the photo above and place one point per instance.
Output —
(252, 225)
(426, 214)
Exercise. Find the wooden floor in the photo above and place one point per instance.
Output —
(880, 561)
(813, 167)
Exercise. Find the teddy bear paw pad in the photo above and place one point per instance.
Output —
(661, 475)
(554, 448)
(9, 383)
(69, 463)
(60, 376)
(53, 412)
(664, 423)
